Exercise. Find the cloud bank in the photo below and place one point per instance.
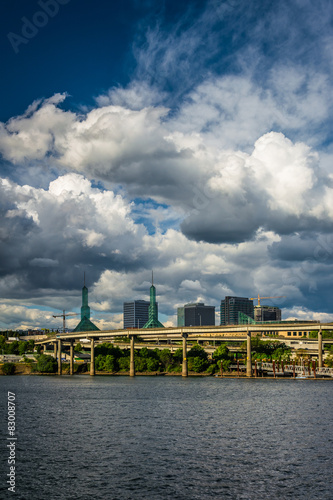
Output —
(213, 166)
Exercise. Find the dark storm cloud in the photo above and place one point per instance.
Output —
(304, 247)
(49, 238)
(219, 223)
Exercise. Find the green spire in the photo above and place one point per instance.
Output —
(85, 324)
(153, 308)
(85, 309)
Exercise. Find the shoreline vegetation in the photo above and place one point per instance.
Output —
(25, 369)
(115, 360)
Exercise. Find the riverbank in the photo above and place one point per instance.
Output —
(26, 369)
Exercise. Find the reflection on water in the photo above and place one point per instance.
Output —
(169, 438)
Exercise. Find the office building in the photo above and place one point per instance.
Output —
(136, 313)
(267, 313)
(196, 314)
(231, 306)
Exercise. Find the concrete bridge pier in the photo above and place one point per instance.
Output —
(92, 357)
(59, 358)
(55, 350)
(320, 349)
(248, 355)
(71, 358)
(184, 368)
(132, 362)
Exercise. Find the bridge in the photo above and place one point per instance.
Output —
(237, 333)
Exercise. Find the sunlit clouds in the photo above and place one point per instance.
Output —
(211, 165)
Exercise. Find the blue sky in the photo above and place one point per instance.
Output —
(84, 49)
(194, 139)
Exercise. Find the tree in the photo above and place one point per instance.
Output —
(2, 342)
(328, 334)
(13, 347)
(144, 352)
(124, 363)
(110, 364)
(222, 352)
(140, 364)
(329, 361)
(265, 347)
(212, 368)
(99, 363)
(178, 355)
(152, 365)
(46, 364)
(8, 368)
(165, 357)
(30, 346)
(197, 352)
(107, 348)
(225, 364)
(281, 354)
(197, 364)
(22, 348)
(78, 347)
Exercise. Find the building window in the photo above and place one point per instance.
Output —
(289, 334)
(294, 334)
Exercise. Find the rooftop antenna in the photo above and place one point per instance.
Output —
(152, 278)
(84, 278)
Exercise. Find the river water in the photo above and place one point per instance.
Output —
(156, 438)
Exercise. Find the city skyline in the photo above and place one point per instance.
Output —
(85, 310)
(191, 139)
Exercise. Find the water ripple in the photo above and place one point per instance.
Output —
(154, 438)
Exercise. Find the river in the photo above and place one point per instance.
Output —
(156, 438)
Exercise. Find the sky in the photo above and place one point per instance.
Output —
(189, 138)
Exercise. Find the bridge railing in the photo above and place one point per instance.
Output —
(325, 371)
(298, 369)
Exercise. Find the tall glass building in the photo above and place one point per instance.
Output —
(136, 313)
(196, 314)
(231, 306)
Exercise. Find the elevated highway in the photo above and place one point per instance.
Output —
(231, 333)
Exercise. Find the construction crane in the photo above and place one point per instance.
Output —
(64, 316)
(260, 298)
